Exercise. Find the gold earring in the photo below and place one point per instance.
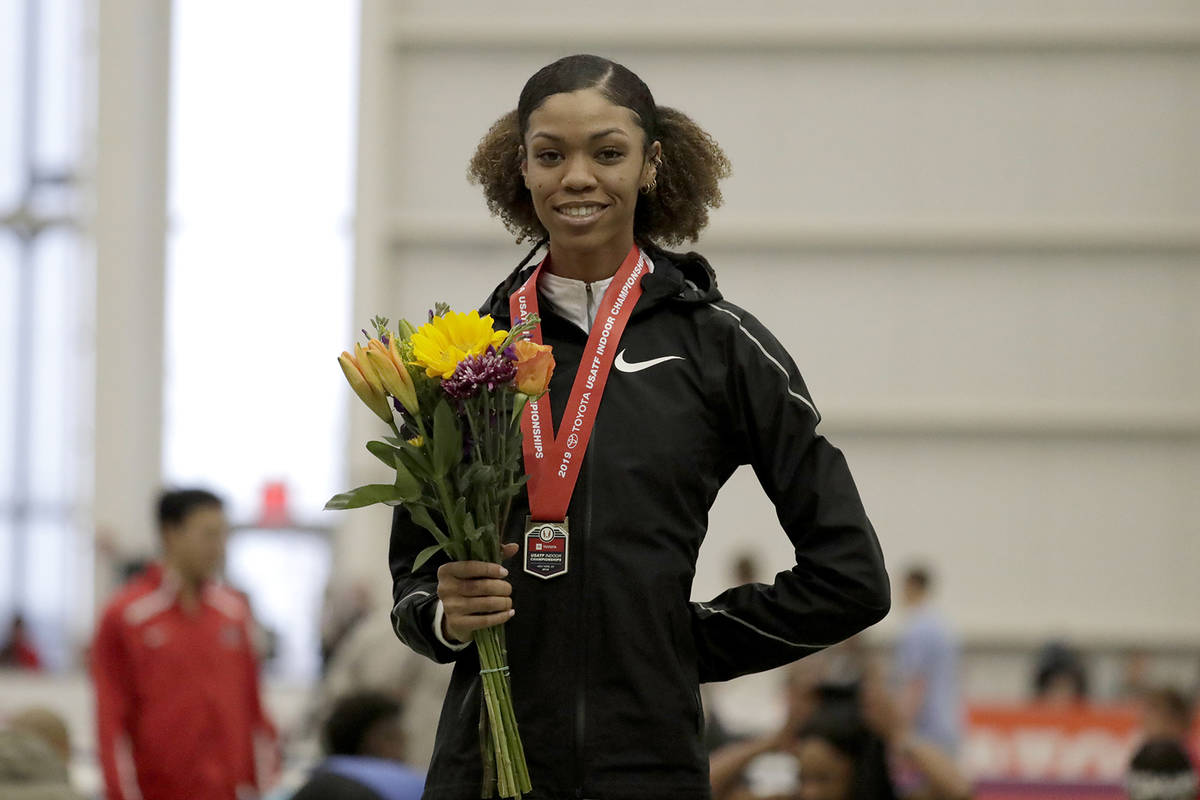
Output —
(651, 186)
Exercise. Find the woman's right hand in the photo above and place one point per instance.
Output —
(474, 595)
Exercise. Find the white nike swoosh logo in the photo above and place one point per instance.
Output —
(638, 366)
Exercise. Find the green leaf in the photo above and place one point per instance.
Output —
(408, 486)
(425, 555)
(447, 439)
(519, 401)
(384, 452)
(483, 478)
(367, 495)
(513, 489)
(469, 529)
(416, 460)
(420, 515)
(460, 515)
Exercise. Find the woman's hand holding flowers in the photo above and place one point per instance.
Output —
(474, 595)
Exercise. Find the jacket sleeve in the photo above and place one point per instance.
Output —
(414, 594)
(112, 675)
(838, 585)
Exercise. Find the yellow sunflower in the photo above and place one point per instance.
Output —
(439, 345)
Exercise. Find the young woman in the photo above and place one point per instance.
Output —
(662, 389)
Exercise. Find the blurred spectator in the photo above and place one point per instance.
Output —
(842, 737)
(729, 762)
(1161, 770)
(365, 744)
(1135, 675)
(1060, 678)
(34, 753)
(926, 662)
(18, 651)
(177, 696)
(1166, 714)
(371, 658)
(46, 725)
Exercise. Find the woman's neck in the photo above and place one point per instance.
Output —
(589, 265)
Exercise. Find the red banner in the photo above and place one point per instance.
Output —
(1034, 751)
(1034, 743)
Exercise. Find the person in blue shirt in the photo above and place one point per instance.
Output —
(927, 666)
(365, 748)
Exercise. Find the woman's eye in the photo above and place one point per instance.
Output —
(610, 154)
(548, 157)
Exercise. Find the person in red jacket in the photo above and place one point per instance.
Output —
(18, 650)
(177, 695)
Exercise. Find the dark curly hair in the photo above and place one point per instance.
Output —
(351, 720)
(687, 180)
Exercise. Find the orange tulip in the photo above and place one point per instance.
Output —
(392, 373)
(374, 397)
(535, 365)
(368, 371)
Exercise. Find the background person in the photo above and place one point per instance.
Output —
(927, 665)
(1161, 770)
(35, 754)
(178, 711)
(847, 741)
(366, 749)
(370, 659)
(18, 651)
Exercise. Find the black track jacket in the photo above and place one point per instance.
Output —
(607, 659)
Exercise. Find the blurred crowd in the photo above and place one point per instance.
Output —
(175, 666)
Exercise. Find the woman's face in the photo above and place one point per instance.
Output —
(825, 774)
(584, 162)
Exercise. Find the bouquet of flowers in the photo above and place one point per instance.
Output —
(458, 387)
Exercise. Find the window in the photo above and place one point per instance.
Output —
(45, 351)
(259, 274)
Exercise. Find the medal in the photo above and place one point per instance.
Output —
(553, 462)
(545, 548)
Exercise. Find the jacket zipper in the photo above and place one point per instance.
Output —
(590, 299)
(581, 620)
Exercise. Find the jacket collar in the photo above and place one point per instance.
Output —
(677, 278)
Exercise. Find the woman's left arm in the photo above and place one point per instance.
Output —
(838, 585)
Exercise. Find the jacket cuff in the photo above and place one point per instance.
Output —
(438, 613)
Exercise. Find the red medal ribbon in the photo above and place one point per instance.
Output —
(551, 462)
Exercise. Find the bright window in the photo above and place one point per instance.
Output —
(259, 266)
(45, 344)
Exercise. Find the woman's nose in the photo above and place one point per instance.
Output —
(579, 175)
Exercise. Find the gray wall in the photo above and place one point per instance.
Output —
(976, 227)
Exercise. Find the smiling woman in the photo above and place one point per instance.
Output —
(606, 650)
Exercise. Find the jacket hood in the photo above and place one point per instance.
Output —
(678, 278)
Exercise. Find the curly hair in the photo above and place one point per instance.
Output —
(693, 164)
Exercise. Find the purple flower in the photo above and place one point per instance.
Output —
(491, 369)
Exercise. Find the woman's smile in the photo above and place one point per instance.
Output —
(581, 214)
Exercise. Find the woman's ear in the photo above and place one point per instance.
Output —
(521, 161)
(653, 162)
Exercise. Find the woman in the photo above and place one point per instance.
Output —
(677, 388)
(842, 742)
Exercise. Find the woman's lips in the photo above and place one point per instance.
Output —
(580, 215)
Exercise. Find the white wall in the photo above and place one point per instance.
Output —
(976, 229)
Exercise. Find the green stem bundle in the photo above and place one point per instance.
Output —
(512, 773)
(505, 770)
